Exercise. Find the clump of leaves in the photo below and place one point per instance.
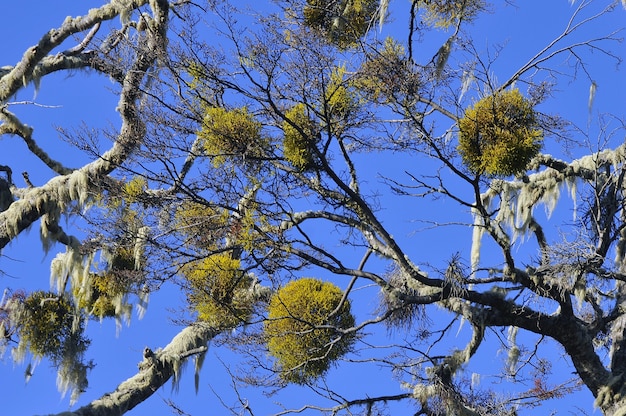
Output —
(48, 326)
(500, 134)
(304, 327)
(201, 224)
(219, 290)
(338, 98)
(387, 75)
(231, 133)
(108, 287)
(343, 22)
(445, 13)
(300, 138)
(134, 188)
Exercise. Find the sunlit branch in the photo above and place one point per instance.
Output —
(12, 125)
(367, 402)
(22, 73)
(571, 27)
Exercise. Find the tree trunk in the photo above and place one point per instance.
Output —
(617, 400)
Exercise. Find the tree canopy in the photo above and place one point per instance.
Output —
(341, 198)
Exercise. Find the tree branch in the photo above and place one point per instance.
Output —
(155, 370)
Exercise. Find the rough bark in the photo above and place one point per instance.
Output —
(154, 371)
(38, 202)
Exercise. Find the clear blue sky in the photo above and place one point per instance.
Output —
(72, 99)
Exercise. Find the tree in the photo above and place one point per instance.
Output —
(244, 162)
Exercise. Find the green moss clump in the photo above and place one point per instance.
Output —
(499, 135)
(301, 333)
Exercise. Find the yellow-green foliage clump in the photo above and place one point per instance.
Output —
(445, 13)
(301, 333)
(343, 22)
(300, 137)
(134, 188)
(47, 325)
(218, 290)
(202, 225)
(338, 99)
(387, 75)
(107, 287)
(499, 135)
(231, 133)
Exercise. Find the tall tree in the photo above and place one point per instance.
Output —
(261, 164)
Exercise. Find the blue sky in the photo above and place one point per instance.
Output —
(69, 101)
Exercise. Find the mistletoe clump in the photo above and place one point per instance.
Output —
(388, 75)
(299, 138)
(500, 134)
(219, 290)
(48, 326)
(103, 296)
(231, 133)
(304, 328)
(201, 225)
(343, 22)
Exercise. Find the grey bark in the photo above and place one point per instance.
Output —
(154, 371)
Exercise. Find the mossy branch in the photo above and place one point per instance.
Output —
(55, 194)
(12, 125)
(155, 370)
(22, 73)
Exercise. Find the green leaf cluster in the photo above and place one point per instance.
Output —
(299, 138)
(49, 327)
(446, 13)
(386, 75)
(201, 224)
(500, 134)
(108, 286)
(134, 188)
(339, 99)
(303, 330)
(218, 290)
(343, 22)
(231, 133)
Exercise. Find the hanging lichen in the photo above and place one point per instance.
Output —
(303, 329)
(499, 135)
(400, 314)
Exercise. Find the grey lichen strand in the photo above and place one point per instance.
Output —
(517, 200)
(22, 73)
